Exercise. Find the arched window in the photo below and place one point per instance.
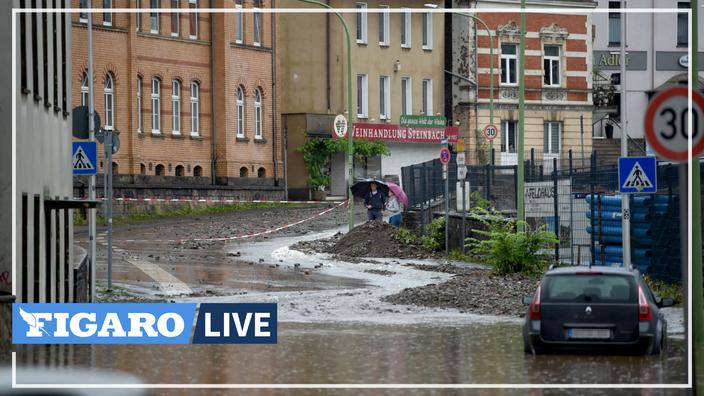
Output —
(195, 109)
(84, 89)
(197, 171)
(261, 173)
(109, 102)
(176, 107)
(142, 169)
(159, 170)
(179, 171)
(240, 112)
(139, 99)
(258, 114)
(244, 171)
(156, 105)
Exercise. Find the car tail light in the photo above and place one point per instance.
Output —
(644, 313)
(534, 309)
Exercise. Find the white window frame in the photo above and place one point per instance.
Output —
(154, 16)
(361, 27)
(109, 101)
(139, 104)
(504, 143)
(156, 106)
(363, 96)
(83, 16)
(406, 28)
(239, 23)
(240, 112)
(176, 107)
(427, 90)
(548, 71)
(258, 135)
(384, 22)
(175, 17)
(548, 127)
(384, 98)
(138, 17)
(195, 108)
(191, 34)
(506, 59)
(85, 91)
(107, 16)
(427, 41)
(257, 26)
(407, 99)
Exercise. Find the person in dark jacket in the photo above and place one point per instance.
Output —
(374, 201)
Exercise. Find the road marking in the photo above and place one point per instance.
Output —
(168, 284)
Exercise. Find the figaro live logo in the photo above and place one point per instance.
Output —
(249, 323)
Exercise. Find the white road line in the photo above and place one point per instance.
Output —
(168, 284)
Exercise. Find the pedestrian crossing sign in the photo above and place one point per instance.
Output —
(637, 175)
(84, 158)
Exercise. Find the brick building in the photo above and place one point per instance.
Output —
(558, 83)
(191, 93)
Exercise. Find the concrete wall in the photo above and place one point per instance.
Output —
(43, 171)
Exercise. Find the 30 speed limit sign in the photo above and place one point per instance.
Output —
(491, 131)
(667, 120)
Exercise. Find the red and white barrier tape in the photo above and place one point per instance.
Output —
(211, 200)
(232, 238)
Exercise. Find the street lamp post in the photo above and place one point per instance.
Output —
(520, 201)
(350, 146)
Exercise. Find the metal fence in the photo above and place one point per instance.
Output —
(569, 196)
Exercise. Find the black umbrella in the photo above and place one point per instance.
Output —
(362, 188)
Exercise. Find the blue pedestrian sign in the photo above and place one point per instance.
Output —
(637, 175)
(84, 158)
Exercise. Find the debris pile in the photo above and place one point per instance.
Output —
(375, 239)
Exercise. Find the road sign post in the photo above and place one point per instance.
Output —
(445, 156)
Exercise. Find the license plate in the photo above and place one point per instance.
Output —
(600, 334)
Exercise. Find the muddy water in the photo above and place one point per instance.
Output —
(349, 353)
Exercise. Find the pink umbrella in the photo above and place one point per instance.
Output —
(398, 192)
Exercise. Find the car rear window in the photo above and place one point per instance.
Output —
(605, 288)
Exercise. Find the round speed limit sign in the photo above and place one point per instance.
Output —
(666, 124)
(491, 131)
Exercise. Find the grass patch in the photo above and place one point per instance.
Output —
(665, 289)
(457, 255)
(166, 213)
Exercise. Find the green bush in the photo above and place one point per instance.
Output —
(665, 289)
(406, 236)
(434, 238)
(510, 251)
(477, 203)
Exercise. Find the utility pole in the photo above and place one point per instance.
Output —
(91, 178)
(625, 203)
(520, 201)
(696, 215)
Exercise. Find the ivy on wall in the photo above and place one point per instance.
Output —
(317, 153)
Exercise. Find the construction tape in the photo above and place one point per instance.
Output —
(210, 200)
(232, 238)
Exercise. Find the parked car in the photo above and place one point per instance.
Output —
(594, 308)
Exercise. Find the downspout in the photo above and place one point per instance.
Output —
(213, 154)
(327, 58)
(476, 86)
(273, 95)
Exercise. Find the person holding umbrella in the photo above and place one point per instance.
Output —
(396, 197)
(375, 202)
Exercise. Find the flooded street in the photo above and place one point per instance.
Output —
(333, 326)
